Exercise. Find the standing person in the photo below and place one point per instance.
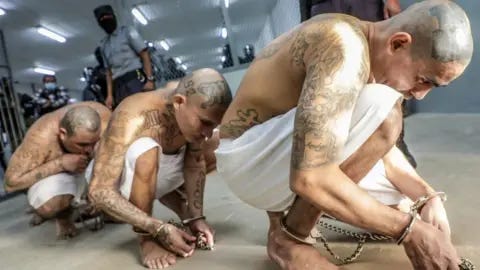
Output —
(92, 91)
(51, 97)
(368, 10)
(126, 58)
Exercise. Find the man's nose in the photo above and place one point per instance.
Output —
(419, 95)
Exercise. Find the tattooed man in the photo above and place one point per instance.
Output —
(153, 145)
(52, 158)
(297, 117)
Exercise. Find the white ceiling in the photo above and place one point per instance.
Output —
(191, 27)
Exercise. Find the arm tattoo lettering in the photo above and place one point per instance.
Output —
(194, 174)
(199, 188)
(245, 119)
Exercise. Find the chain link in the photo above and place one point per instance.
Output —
(362, 237)
(466, 265)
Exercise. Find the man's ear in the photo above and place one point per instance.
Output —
(399, 41)
(63, 133)
(178, 100)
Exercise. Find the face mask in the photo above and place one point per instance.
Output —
(109, 25)
(50, 85)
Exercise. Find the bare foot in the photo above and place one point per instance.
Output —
(290, 254)
(65, 228)
(153, 255)
(36, 220)
(29, 210)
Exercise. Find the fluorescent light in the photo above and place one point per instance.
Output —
(227, 3)
(164, 45)
(139, 16)
(2, 12)
(177, 60)
(224, 58)
(224, 32)
(82, 79)
(44, 71)
(184, 67)
(44, 31)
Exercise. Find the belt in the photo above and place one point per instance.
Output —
(134, 74)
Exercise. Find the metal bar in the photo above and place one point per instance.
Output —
(18, 125)
(13, 108)
(10, 118)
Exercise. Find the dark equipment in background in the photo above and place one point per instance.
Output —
(248, 54)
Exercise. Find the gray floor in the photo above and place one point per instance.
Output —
(447, 148)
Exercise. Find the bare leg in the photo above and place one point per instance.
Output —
(290, 254)
(176, 202)
(36, 219)
(59, 208)
(153, 255)
(302, 216)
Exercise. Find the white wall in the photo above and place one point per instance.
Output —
(284, 16)
(234, 78)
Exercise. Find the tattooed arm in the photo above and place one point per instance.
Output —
(28, 164)
(109, 161)
(321, 126)
(122, 130)
(194, 173)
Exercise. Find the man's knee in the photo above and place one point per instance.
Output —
(54, 206)
(391, 127)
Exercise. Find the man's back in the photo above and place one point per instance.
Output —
(274, 81)
(44, 132)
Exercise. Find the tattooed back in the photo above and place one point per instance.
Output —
(274, 81)
(44, 132)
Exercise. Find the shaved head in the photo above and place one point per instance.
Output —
(82, 117)
(440, 30)
(209, 84)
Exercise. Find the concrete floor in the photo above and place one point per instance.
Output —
(447, 148)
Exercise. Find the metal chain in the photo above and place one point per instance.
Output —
(344, 260)
(361, 237)
(366, 235)
(466, 265)
(201, 242)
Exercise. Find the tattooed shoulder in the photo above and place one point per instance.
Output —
(272, 48)
(326, 96)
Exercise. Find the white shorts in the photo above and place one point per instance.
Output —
(170, 170)
(256, 165)
(55, 185)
